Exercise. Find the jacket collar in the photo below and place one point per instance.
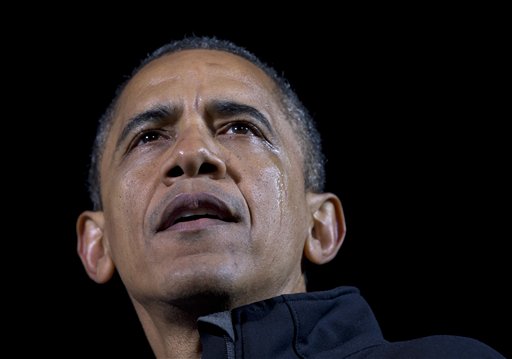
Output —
(337, 320)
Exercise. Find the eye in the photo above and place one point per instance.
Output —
(241, 128)
(147, 137)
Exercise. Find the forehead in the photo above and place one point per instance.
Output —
(202, 71)
(206, 58)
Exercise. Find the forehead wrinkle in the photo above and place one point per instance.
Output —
(232, 66)
(249, 82)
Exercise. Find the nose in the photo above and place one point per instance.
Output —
(195, 153)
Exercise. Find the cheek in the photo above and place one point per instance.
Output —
(127, 197)
(279, 225)
(130, 186)
(274, 194)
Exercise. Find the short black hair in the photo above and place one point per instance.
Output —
(299, 117)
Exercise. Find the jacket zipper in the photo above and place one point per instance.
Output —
(230, 347)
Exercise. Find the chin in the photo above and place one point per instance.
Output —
(204, 302)
(204, 290)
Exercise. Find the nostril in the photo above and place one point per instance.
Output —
(176, 171)
(207, 168)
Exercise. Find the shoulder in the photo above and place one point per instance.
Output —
(436, 346)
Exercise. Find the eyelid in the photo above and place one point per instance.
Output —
(135, 141)
(256, 131)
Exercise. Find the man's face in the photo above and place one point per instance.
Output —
(202, 183)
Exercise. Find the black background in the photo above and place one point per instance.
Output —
(410, 108)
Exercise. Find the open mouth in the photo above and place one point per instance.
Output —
(194, 207)
(194, 217)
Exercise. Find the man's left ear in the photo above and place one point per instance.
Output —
(328, 228)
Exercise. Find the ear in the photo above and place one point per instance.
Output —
(328, 228)
(92, 246)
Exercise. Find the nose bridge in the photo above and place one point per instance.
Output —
(194, 153)
(193, 135)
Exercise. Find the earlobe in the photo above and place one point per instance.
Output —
(92, 247)
(328, 228)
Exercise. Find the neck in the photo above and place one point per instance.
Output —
(171, 328)
(171, 331)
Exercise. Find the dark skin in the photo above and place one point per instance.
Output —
(204, 204)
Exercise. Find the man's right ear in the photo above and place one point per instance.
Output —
(92, 247)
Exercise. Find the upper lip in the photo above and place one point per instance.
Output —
(195, 204)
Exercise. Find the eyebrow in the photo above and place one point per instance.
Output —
(230, 109)
(155, 115)
(160, 113)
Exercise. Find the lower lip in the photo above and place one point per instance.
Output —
(196, 225)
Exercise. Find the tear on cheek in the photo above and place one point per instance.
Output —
(272, 183)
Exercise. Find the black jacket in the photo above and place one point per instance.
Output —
(332, 324)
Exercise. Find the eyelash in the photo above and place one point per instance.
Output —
(249, 126)
(140, 138)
